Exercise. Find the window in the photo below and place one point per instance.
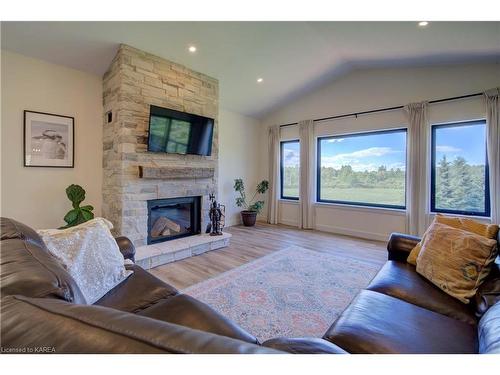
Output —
(290, 156)
(365, 169)
(459, 174)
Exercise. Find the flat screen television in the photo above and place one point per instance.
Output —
(179, 132)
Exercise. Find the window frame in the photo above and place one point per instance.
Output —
(282, 143)
(487, 203)
(350, 135)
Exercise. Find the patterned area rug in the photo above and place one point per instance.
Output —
(293, 292)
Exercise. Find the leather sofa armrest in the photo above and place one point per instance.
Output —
(303, 345)
(400, 246)
(126, 247)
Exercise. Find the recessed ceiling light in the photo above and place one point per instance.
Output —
(259, 80)
(423, 23)
(192, 49)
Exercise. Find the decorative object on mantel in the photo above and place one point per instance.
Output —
(217, 217)
(175, 172)
(78, 215)
(48, 140)
(253, 207)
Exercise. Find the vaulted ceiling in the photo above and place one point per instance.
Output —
(292, 58)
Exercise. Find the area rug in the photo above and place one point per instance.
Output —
(292, 292)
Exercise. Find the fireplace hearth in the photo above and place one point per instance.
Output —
(173, 218)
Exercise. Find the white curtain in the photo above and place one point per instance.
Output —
(274, 174)
(417, 174)
(493, 142)
(306, 195)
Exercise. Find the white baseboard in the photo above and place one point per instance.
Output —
(292, 223)
(353, 233)
(330, 229)
(238, 221)
(233, 222)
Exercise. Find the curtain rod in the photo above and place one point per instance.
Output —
(356, 114)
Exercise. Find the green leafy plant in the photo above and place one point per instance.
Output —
(252, 204)
(78, 215)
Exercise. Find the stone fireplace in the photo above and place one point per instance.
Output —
(132, 175)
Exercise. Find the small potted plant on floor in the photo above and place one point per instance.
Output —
(252, 207)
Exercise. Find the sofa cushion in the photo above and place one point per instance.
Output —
(28, 269)
(378, 323)
(469, 225)
(489, 331)
(303, 345)
(12, 229)
(488, 293)
(140, 290)
(187, 311)
(400, 280)
(61, 327)
(455, 260)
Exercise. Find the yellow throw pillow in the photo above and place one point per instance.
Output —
(485, 230)
(455, 260)
(412, 257)
(473, 226)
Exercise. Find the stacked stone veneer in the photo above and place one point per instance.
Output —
(133, 82)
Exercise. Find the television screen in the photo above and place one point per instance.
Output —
(179, 132)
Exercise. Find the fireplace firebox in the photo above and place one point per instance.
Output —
(173, 218)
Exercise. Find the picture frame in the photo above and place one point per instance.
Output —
(49, 140)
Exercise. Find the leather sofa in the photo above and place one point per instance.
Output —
(402, 312)
(42, 310)
(399, 312)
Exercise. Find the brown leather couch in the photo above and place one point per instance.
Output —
(402, 312)
(42, 310)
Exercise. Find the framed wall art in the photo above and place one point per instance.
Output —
(48, 140)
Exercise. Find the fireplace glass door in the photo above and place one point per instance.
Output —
(173, 218)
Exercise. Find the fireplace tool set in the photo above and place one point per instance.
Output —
(217, 217)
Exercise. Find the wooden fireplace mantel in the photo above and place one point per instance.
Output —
(175, 172)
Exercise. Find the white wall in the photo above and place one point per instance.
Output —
(36, 196)
(371, 89)
(238, 158)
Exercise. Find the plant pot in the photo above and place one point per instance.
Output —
(249, 218)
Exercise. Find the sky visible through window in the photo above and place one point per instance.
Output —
(291, 154)
(365, 152)
(467, 141)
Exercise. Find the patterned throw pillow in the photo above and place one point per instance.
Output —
(90, 254)
(473, 226)
(455, 260)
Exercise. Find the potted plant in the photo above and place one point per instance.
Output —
(79, 214)
(252, 207)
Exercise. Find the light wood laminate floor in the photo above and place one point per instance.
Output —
(248, 244)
